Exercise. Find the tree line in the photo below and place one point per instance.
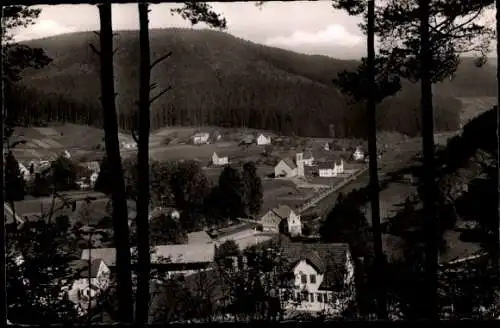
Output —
(185, 186)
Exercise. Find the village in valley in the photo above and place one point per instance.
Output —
(300, 180)
(296, 174)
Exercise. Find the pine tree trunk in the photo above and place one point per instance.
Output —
(429, 181)
(373, 167)
(142, 299)
(3, 304)
(496, 255)
(120, 224)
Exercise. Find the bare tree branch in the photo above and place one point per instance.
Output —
(159, 60)
(97, 52)
(159, 95)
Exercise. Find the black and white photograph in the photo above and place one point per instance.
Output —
(259, 161)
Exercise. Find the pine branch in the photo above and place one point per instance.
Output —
(97, 52)
(159, 60)
(159, 95)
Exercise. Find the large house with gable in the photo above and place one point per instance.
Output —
(282, 219)
(319, 278)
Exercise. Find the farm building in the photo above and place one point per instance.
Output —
(199, 237)
(263, 140)
(201, 138)
(327, 171)
(219, 160)
(282, 218)
(358, 154)
(326, 147)
(184, 259)
(215, 136)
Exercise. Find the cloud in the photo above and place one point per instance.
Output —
(333, 35)
(43, 28)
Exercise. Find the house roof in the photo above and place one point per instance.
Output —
(247, 138)
(289, 162)
(201, 134)
(282, 211)
(184, 253)
(328, 259)
(79, 268)
(198, 237)
(272, 217)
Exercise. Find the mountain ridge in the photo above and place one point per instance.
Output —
(220, 79)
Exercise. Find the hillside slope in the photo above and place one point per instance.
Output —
(219, 79)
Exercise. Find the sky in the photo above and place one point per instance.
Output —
(307, 27)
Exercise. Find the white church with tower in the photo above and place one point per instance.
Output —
(288, 168)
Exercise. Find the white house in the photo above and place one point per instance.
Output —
(263, 140)
(66, 154)
(86, 284)
(93, 179)
(216, 160)
(358, 154)
(321, 278)
(24, 171)
(282, 218)
(201, 138)
(285, 168)
(326, 147)
(329, 172)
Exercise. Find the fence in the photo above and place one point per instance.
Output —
(331, 190)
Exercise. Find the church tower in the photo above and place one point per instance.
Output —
(299, 159)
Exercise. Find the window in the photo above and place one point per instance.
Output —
(311, 297)
(303, 278)
(312, 278)
(305, 296)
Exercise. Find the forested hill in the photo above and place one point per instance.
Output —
(222, 80)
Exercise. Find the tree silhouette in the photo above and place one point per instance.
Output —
(14, 180)
(63, 174)
(231, 193)
(103, 182)
(253, 188)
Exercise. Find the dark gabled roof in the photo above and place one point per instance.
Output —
(282, 211)
(328, 259)
(291, 163)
